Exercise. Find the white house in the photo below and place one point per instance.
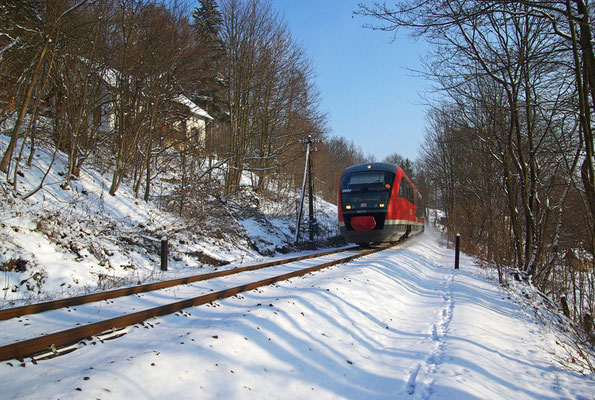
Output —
(191, 119)
(197, 118)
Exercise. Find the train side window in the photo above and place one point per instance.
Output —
(419, 206)
(402, 188)
(406, 190)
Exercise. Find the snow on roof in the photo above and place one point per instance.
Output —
(194, 109)
(110, 77)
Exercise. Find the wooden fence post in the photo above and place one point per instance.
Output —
(164, 253)
(457, 250)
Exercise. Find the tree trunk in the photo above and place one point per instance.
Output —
(23, 111)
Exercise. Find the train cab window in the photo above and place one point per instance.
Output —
(367, 181)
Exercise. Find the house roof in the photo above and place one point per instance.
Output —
(110, 77)
(194, 109)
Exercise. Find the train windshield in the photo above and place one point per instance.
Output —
(367, 190)
(367, 181)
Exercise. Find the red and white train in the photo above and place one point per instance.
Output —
(378, 203)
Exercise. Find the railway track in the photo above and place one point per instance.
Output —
(49, 344)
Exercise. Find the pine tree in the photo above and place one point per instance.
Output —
(207, 24)
(207, 18)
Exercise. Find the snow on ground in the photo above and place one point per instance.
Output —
(397, 324)
(70, 242)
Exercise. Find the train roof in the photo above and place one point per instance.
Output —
(374, 166)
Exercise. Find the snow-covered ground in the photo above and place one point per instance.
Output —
(397, 324)
(60, 243)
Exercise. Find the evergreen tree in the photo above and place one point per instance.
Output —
(207, 19)
(207, 24)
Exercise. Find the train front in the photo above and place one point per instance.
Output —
(364, 196)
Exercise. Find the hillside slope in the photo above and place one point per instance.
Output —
(62, 243)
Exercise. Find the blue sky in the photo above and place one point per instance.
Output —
(366, 90)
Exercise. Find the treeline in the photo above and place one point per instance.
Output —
(117, 83)
(509, 147)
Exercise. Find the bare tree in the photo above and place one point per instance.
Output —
(506, 140)
(268, 90)
(80, 74)
(49, 28)
(569, 20)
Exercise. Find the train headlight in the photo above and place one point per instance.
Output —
(348, 207)
(381, 205)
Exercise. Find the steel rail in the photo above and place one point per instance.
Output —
(115, 293)
(70, 336)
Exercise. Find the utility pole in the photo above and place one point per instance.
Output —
(307, 171)
(311, 203)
